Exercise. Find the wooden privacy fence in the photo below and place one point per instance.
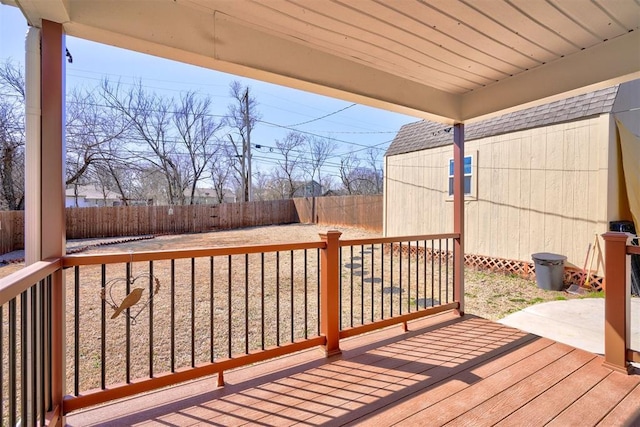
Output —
(84, 223)
(11, 231)
(350, 211)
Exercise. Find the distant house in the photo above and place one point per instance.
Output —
(208, 196)
(543, 179)
(308, 189)
(83, 196)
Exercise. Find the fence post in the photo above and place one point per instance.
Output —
(329, 292)
(617, 302)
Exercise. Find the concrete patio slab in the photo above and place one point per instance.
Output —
(577, 322)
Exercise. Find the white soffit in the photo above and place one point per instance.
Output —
(451, 60)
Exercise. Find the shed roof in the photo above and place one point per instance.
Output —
(425, 134)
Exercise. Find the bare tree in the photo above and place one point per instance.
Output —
(12, 136)
(220, 173)
(242, 107)
(319, 149)
(348, 164)
(95, 134)
(196, 127)
(151, 120)
(288, 169)
(374, 163)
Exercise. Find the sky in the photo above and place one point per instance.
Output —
(353, 127)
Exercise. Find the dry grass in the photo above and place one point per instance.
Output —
(246, 302)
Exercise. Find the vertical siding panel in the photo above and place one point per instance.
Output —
(525, 224)
(553, 189)
(512, 233)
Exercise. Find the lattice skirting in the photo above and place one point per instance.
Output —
(525, 269)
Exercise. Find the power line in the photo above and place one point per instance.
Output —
(323, 117)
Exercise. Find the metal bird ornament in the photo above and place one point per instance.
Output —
(129, 301)
(115, 287)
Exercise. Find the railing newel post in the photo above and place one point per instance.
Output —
(617, 302)
(329, 291)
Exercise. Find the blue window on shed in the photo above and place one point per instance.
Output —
(468, 172)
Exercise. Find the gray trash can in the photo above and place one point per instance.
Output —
(549, 270)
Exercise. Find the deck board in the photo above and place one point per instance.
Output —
(461, 371)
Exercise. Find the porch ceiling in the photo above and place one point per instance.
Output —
(449, 60)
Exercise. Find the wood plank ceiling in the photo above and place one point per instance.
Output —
(448, 59)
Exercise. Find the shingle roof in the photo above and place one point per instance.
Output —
(425, 134)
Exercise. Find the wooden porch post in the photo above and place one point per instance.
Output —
(52, 215)
(458, 214)
(617, 269)
(329, 291)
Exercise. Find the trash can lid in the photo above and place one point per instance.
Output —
(546, 256)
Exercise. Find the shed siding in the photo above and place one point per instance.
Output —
(539, 190)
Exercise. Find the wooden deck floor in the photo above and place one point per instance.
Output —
(445, 370)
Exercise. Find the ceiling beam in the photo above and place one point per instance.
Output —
(605, 64)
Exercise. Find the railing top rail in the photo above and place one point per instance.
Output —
(417, 238)
(633, 250)
(123, 257)
(16, 283)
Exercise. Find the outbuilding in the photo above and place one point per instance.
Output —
(542, 179)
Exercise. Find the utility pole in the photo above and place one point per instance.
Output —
(249, 193)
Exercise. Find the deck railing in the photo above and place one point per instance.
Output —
(617, 328)
(26, 341)
(139, 321)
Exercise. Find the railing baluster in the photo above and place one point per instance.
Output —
(34, 356)
(417, 274)
(306, 325)
(40, 352)
(440, 271)
(424, 274)
(382, 280)
(151, 295)
(340, 291)
(211, 311)
(433, 272)
(49, 344)
(173, 315)
(229, 329)
(13, 380)
(391, 287)
(262, 300)
(292, 311)
(409, 277)
(453, 269)
(76, 331)
(318, 290)
(372, 275)
(128, 327)
(193, 312)
(400, 273)
(278, 299)
(103, 327)
(23, 356)
(362, 284)
(246, 303)
(446, 266)
(351, 298)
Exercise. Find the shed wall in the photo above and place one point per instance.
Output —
(538, 190)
